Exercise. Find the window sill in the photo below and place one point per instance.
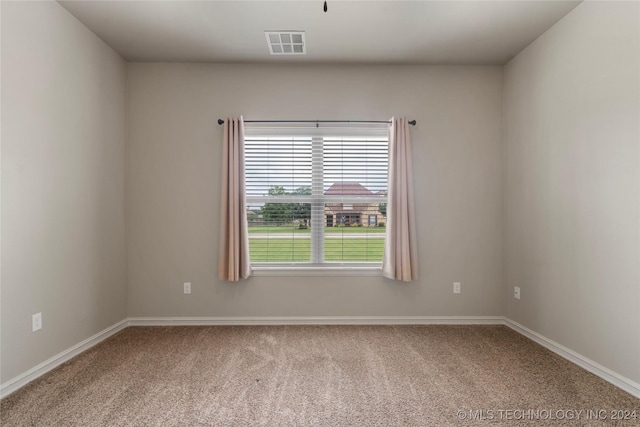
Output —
(337, 271)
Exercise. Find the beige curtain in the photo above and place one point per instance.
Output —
(234, 239)
(400, 260)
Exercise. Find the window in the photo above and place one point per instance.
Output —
(312, 194)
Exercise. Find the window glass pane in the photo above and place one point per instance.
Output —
(277, 165)
(353, 236)
(279, 232)
(356, 166)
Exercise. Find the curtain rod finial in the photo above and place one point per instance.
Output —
(412, 122)
(220, 121)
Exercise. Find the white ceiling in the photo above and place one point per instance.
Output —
(401, 32)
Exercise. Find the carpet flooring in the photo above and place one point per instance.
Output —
(319, 376)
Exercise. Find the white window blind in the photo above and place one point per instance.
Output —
(316, 197)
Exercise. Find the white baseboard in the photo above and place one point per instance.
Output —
(319, 320)
(607, 374)
(614, 378)
(57, 360)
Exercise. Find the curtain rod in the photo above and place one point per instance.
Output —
(411, 122)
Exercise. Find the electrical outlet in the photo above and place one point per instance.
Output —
(36, 322)
(456, 287)
(516, 292)
(187, 288)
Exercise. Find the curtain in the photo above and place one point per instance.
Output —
(234, 238)
(400, 261)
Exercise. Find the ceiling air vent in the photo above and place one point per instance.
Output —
(286, 42)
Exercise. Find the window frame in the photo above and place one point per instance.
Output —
(317, 198)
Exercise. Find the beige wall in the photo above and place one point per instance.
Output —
(571, 133)
(63, 145)
(173, 167)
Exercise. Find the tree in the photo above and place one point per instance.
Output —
(277, 190)
(302, 211)
(382, 207)
(302, 191)
(284, 213)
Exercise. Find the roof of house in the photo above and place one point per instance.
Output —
(348, 188)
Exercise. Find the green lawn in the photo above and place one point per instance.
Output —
(299, 250)
(353, 249)
(265, 229)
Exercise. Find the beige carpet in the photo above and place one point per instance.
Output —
(317, 376)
